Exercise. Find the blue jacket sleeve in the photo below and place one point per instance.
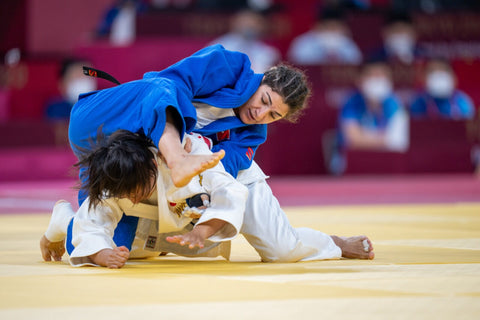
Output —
(213, 72)
(240, 147)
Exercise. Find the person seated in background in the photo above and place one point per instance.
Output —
(440, 97)
(328, 42)
(119, 21)
(246, 31)
(71, 83)
(374, 118)
(399, 40)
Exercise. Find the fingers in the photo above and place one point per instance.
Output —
(118, 258)
(123, 249)
(46, 256)
(205, 200)
(185, 240)
(57, 254)
(44, 249)
(122, 252)
(51, 250)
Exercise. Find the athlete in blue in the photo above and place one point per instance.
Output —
(236, 105)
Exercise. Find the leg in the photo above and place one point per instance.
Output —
(183, 166)
(267, 229)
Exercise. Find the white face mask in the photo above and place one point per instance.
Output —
(376, 89)
(77, 86)
(332, 40)
(401, 44)
(440, 84)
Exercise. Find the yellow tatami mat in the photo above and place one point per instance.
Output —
(427, 266)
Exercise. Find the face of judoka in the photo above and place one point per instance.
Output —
(142, 193)
(265, 106)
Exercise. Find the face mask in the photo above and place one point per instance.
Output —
(440, 84)
(376, 89)
(250, 33)
(332, 40)
(77, 86)
(400, 44)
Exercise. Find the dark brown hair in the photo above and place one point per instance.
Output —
(292, 85)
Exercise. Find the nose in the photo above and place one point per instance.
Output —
(262, 112)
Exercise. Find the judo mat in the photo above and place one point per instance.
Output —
(427, 266)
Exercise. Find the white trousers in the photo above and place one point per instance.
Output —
(267, 229)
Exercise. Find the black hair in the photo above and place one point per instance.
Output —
(119, 166)
(331, 13)
(397, 16)
(292, 85)
(67, 63)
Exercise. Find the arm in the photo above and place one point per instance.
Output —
(209, 70)
(201, 232)
(359, 138)
(223, 219)
(93, 233)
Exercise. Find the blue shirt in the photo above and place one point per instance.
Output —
(356, 110)
(213, 75)
(58, 109)
(457, 106)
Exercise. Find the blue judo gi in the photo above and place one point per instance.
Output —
(213, 76)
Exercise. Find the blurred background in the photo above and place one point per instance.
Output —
(395, 83)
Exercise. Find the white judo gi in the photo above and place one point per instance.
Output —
(267, 229)
(160, 217)
(265, 226)
(259, 218)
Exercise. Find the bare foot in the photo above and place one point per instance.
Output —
(190, 165)
(51, 250)
(355, 247)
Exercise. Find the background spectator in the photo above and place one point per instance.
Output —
(440, 98)
(71, 83)
(247, 29)
(328, 42)
(119, 22)
(399, 39)
(373, 118)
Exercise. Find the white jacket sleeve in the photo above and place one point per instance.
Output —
(93, 230)
(227, 197)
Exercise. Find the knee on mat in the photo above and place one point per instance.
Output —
(279, 255)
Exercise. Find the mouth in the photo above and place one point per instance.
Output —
(250, 115)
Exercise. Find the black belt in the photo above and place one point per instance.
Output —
(91, 72)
